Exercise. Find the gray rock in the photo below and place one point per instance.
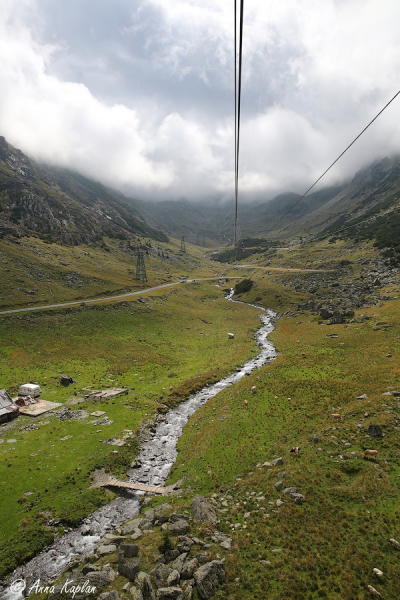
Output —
(136, 535)
(179, 527)
(129, 568)
(85, 530)
(282, 475)
(172, 554)
(375, 430)
(185, 543)
(202, 558)
(170, 593)
(188, 592)
(111, 595)
(208, 577)
(315, 438)
(144, 582)
(160, 574)
(278, 485)
(129, 550)
(136, 594)
(145, 524)
(298, 498)
(131, 526)
(363, 397)
(279, 503)
(203, 512)
(189, 568)
(173, 578)
(179, 562)
(325, 314)
(103, 550)
(226, 544)
(290, 490)
(337, 317)
(174, 517)
(90, 569)
(277, 462)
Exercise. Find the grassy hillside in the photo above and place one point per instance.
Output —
(325, 547)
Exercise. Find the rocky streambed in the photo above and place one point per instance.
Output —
(156, 458)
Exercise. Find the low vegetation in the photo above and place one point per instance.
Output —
(326, 547)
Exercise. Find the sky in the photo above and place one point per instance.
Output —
(139, 94)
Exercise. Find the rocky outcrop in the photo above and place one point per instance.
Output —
(203, 512)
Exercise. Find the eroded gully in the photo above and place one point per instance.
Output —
(156, 457)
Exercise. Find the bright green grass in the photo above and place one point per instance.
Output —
(132, 345)
(332, 542)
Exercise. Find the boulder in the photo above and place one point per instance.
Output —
(136, 594)
(131, 526)
(189, 568)
(172, 554)
(208, 577)
(203, 512)
(103, 550)
(290, 490)
(170, 593)
(129, 568)
(185, 543)
(173, 578)
(143, 581)
(129, 550)
(160, 574)
(112, 595)
(179, 527)
(277, 462)
(325, 314)
(375, 430)
(337, 317)
(179, 562)
(278, 485)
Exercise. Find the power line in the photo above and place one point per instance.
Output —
(334, 162)
(238, 94)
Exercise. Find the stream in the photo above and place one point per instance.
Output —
(156, 457)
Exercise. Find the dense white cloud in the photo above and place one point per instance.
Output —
(139, 93)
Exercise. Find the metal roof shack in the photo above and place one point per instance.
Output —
(8, 410)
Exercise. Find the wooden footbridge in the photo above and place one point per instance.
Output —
(130, 485)
(103, 479)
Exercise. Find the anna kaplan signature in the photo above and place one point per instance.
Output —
(68, 587)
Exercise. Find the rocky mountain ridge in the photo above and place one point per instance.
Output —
(62, 206)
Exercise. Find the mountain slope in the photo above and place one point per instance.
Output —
(61, 205)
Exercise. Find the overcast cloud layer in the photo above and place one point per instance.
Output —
(139, 93)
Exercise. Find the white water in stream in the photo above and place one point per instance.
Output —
(156, 456)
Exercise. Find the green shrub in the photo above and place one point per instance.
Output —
(243, 286)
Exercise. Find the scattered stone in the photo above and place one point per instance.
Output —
(131, 526)
(85, 530)
(189, 568)
(129, 550)
(375, 430)
(279, 503)
(129, 567)
(144, 582)
(159, 575)
(103, 421)
(363, 397)
(278, 485)
(208, 577)
(103, 550)
(66, 380)
(277, 462)
(169, 593)
(203, 512)
(179, 527)
(395, 543)
(173, 578)
(315, 438)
